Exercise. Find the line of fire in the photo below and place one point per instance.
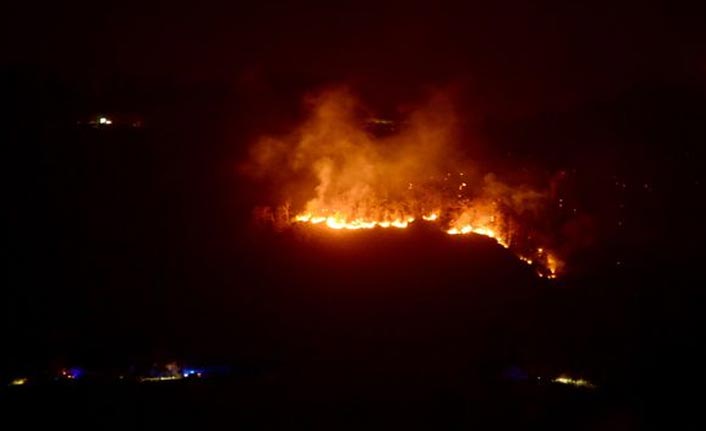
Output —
(338, 172)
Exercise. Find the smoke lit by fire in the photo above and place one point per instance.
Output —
(340, 169)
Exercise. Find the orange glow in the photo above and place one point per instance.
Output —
(552, 265)
(434, 216)
(526, 260)
(478, 231)
(341, 221)
(336, 173)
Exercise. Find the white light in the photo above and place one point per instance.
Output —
(19, 381)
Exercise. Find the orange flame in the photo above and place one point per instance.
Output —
(344, 176)
(341, 221)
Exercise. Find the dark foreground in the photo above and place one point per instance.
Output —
(273, 404)
(137, 245)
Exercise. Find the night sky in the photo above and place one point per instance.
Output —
(138, 243)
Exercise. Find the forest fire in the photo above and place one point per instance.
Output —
(340, 221)
(334, 171)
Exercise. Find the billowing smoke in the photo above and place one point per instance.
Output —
(345, 168)
(350, 165)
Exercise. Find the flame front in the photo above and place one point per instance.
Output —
(345, 176)
(338, 220)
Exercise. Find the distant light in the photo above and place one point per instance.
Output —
(105, 121)
(159, 379)
(189, 372)
(75, 373)
(19, 381)
(382, 121)
(71, 373)
(564, 380)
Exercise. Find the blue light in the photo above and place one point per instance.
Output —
(70, 373)
(75, 372)
(189, 372)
